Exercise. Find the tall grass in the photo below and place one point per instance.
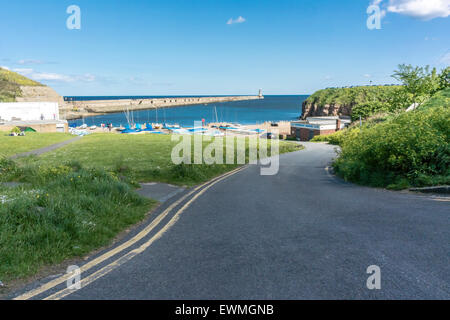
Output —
(61, 213)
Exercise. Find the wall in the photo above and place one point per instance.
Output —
(41, 126)
(306, 134)
(29, 111)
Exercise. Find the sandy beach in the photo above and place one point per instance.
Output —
(281, 128)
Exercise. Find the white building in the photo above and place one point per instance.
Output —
(29, 111)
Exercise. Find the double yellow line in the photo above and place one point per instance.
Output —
(130, 255)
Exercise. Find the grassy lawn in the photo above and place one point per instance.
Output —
(142, 158)
(78, 198)
(10, 146)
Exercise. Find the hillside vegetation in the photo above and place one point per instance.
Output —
(399, 149)
(403, 150)
(418, 86)
(411, 149)
(362, 101)
(10, 83)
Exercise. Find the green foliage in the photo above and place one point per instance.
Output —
(10, 83)
(408, 149)
(13, 77)
(61, 213)
(418, 85)
(440, 99)
(420, 82)
(337, 138)
(15, 130)
(364, 101)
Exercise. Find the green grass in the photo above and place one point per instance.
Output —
(61, 213)
(14, 145)
(142, 158)
(10, 83)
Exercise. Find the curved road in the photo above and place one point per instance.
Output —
(301, 234)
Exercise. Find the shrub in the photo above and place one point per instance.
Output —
(338, 137)
(412, 147)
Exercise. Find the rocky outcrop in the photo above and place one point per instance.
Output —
(314, 109)
(39, 94)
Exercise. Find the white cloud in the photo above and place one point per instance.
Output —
(87, 77)
(40, 76)
(237, 20)
(445, 60)
(367, 75)
(23, 71)
(328, 77)
(419, 9)
(378, 3)
(29, 62)
(48, 76)
(4, 67)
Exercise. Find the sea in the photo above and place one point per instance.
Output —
(272, 108)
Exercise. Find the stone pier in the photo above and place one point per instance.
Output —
(78, 109)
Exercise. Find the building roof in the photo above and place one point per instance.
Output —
(31, 122)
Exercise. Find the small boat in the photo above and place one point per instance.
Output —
(93, 127)
(171, 127)
(197, 130)
(83, 126)
(138, 127)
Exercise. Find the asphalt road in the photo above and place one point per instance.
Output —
(301, 234)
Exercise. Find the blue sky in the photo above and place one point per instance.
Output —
(196, 47)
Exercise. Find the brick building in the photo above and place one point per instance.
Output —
(305, 130)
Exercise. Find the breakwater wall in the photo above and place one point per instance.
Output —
(71, 110)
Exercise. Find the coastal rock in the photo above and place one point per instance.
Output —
(314, 109)
(39, 94)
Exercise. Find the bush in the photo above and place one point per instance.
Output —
(15, 130)
(338, 137)
(74, 212)
(409, 149)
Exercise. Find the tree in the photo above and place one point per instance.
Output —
(444, 79)
(420, 82)
(413, 79)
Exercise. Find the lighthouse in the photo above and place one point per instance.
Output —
(260, 94)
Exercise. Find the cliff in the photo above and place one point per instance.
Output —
(12, 86)
(344, 101)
